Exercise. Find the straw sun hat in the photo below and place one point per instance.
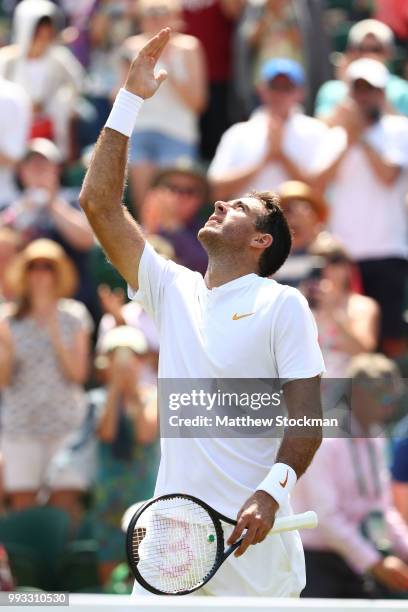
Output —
(296, 190)
(49, 250)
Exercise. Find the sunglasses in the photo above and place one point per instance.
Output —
(287, 87)
(41, 265)
(336, 259)
(375, 49)
(183, 191)
(361, 86)
(386, 398)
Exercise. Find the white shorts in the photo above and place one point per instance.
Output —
(273, 568)
(26, 461)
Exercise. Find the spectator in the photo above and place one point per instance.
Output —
(161, 137)
(276, 144)
(97, 33)
(375, 40)
(128, 449)
(14, 127)
(400, 476)
(399, 467)
(347, 321)
(171, 208)
(44, 345)
(9, 246)
(272, 31)
(42, 211)
(365, 161)
(48, 72)
(306, 211)
(213, 23)
(344, 555)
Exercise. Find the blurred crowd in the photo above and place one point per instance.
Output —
(306, 98)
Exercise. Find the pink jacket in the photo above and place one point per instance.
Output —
(346, 481)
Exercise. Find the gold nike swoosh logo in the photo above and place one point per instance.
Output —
(283, 484)
(236, 317)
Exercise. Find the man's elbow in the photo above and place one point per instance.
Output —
(84, 200)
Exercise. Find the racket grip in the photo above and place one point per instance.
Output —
(306, 520)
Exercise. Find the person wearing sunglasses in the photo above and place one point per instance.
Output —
(169, 127)
(44, 351)
(368, 38)
(360, 547)
(172, 207)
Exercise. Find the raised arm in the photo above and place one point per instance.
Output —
(101, 195)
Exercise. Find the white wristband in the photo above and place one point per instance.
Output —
(279, 482)
(124, 111)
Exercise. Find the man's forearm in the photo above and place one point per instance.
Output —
(105, 180)
(298, 452)
(101, 198)
(299, 444)
(385, 171)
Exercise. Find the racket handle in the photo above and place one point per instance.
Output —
(306, 520)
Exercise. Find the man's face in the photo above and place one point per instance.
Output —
(37, 172)
(188, 191)
(303, 221)
(44, 36)
(370, 47)
(375, 401)
(280, 94)
(232, 226)
(366, 96)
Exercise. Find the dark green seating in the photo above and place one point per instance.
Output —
(35, 539)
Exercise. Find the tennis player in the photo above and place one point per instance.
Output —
(233, 323)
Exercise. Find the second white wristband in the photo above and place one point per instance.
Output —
(279, 482)
(124, 112)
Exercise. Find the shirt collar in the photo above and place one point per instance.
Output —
(237, 283)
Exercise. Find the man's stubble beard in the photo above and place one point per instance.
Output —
(214, 244)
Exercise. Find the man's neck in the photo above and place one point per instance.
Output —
(226, 269)
(282, 114)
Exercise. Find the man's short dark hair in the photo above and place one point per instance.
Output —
(273, 222)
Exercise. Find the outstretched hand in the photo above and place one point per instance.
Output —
(142, 80)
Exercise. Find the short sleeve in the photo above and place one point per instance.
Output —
(397, 152)
(155, 274)
(78, 315)
(228, 153)
(399, 468)
(294, 344)
(15, 124)
(329, 95)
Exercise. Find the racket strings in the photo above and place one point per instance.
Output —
(174, 545)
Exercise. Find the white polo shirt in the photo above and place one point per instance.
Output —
(369, 218)
(200, 338)
(245, 144)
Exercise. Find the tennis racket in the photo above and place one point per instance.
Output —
(175, 543)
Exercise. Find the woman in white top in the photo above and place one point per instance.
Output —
(47, 71)
(167, 127)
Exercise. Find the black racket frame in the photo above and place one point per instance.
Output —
(221, 553)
